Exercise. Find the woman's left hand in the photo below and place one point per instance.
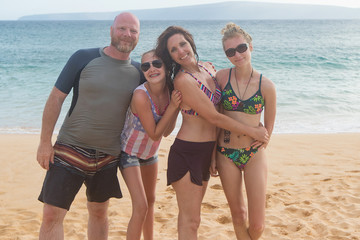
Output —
(259, 144)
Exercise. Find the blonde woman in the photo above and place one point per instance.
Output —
(246, 95)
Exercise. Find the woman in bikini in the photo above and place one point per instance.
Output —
(190, 155)
(245, 94)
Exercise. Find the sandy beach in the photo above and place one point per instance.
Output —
(313, 193)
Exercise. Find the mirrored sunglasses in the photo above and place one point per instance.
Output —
(230, 52)
(146, 65)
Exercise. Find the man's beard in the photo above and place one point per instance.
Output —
(121, 47)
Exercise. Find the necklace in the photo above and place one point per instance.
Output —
(237, 85)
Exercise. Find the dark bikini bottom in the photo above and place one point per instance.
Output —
(239, 156)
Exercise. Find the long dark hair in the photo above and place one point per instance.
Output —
(162, 52)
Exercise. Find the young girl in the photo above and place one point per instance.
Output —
(151, 115)
(246, 94)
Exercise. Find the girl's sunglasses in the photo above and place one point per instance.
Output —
(146, 65)
(230, 52)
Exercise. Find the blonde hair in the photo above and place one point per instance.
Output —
(232, 30)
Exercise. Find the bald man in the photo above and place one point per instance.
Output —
(88, 143)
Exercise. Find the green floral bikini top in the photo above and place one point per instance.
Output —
(230, 102)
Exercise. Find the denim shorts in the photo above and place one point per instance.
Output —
(132, 161)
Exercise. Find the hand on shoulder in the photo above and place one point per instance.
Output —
(209, 65)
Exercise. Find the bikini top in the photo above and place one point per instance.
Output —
(215, 98)
(230, 102)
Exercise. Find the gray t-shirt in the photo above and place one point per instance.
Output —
(102, 90)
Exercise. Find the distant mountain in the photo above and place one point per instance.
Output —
(235, 10)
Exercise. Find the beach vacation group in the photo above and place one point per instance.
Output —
(120, 111)
(122, 167)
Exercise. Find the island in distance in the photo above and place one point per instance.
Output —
(218, 11)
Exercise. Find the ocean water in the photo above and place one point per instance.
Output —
(315, 65)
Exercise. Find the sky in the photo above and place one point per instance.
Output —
(14, 9)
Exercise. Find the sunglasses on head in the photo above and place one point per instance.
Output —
(230, 52)
(146, 65)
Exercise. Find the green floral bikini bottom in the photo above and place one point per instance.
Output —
(240, 156)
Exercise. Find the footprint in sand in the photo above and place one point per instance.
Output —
(283, 184)
(113, 213)
(296, 227)
(299, 212)
(339, 199)
(170, 190)
(208, 206)
(163, 217)
(169, 197)
(224, 220)
(321, 229)
(290, 203)
(268, 200)
(326, 179)
(216, 187)
(316, 191)
(339, 233)
(284, 191)
(274, 198)
(284, 232)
